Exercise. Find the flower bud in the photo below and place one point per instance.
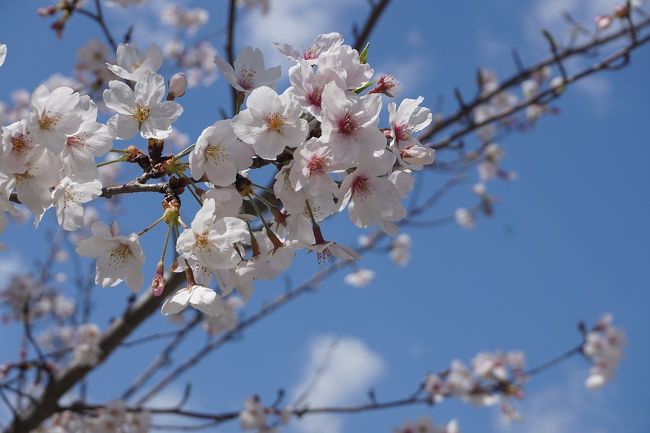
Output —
(177, 85)
(603, 21)
(622, 11)
(158, 283)
(46, 11)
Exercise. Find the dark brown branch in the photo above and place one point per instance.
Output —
(230, 46)
(375, 13)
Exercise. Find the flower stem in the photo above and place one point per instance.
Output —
(112, 161)
(152, 225)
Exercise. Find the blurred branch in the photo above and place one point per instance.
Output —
(526, 73)
(493, 387)
(362, 37)
(63, 381)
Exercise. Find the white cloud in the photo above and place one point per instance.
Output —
(295, 22)
(549, 12)
(565, 408)
(346, 369)
(147, 25)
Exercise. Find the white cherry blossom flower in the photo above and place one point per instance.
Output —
(53, 116)
(202, 298)
(405, 121)
(307, 85)
(133, 65)
(33, 185)
(183, 18)
(371, 198)
(119, 258)
(465, 218)
(68, 197)
(345, 60)
(92, 140)
(403, 181)
(321, 44)
(400, 250)
(312, 163)
(141, 109)
(248, 72)
(16, 148)
(253, 416)
(227, 201)
(270, 122)
(604, 347)
(92, 56)
(349, 125)
(211, 242)
(3, 53)
(360, 278)
(219, 155)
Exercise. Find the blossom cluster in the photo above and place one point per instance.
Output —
(323, 136)
(112, 418)
(493, 378)
(604, 347)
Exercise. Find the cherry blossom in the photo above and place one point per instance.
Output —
(604, 346)
(33, 185)
(349, 125)
(307, 85)
(405, 121)
(183, 18)
(345, 60)
(371, 198)
(119, 258)
(465, 218)
(400, 251)
(68, 197)
(248, 72)
(17, 147)
(53, 116)
(211, 241)
(360, 278)
(312, 163)
(270, 122)
(322, 43)
(92, 56)
(219, 154)
(202, 298)
(133, 65)
(140, 109)
(3, 53)
(92, 140)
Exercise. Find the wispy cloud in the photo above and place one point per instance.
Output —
(295, 22)
(339, 370)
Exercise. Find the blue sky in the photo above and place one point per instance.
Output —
(568, 241)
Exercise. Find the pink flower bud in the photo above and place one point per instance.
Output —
(603, 21)
(46, 11)
(158, 283)
(177, 86)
